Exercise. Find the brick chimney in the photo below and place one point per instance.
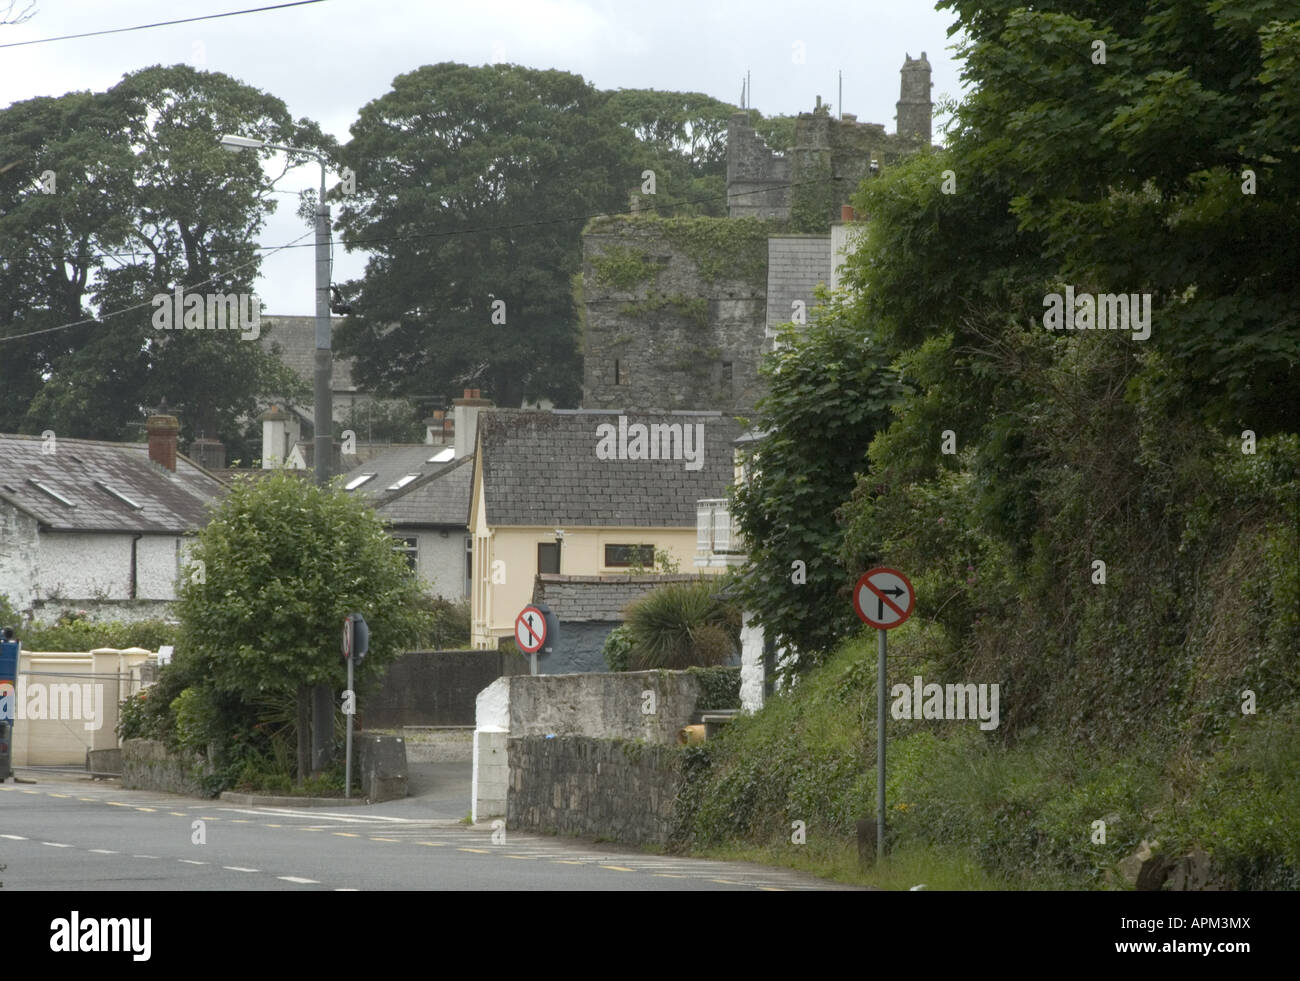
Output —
(464, 414)
(163, 432)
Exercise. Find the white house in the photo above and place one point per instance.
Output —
(98, 526)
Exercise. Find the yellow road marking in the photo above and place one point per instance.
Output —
(274, 825)
(476, 851)
(433, 844)
(770, 889)
(52, 794)
(149, 809)
(526, 858)
(91, 799)
(617, 868)
(116, 803)
(240, 821)
(384, 839)
(346, 834)
(179, 814)
(669, 875)
(564, 861)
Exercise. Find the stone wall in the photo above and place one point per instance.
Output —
(608, 706)
(147, 765)
(594, 787)
(435, 688)
(677, 336)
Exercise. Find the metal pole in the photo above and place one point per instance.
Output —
(323, 419)
(323, 422)
(880, 747)
(347, 766)
(532, 660)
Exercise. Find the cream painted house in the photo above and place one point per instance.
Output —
(585, 493)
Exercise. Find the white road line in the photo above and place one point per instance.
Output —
(294, 878)
(238, 868)
(15, 837)
(103, 851)
(55, 844)
(144, 856)
(190, 861)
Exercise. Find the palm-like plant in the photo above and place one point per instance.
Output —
(682, 625)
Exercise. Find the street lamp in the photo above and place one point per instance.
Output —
(323, 418)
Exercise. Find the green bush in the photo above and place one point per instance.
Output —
(617, 648)
(682, 625)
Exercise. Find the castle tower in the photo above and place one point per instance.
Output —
(914, 106)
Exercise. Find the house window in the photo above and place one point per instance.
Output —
(548, 557)
(409, 548)
(623, 556)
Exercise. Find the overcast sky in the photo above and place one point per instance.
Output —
(326, 60)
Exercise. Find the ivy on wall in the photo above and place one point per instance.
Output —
(624, 268)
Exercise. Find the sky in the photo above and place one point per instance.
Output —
(327, 60)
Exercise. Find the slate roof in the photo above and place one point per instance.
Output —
(297, 339)
(540, 468)
(795, 265)
(575, 599)
(85, 472)
(438, 496)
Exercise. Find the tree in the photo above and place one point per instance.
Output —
(271, 578)
(118, 197)
(1153, 148)
(473, 185)
(830, 391)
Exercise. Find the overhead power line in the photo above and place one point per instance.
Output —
(161, 23)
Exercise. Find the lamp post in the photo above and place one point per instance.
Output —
(323, 417)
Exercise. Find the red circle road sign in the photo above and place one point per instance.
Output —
(530, 630)
(884, 598)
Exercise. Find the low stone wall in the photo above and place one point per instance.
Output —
(148, 765)
(596, 787)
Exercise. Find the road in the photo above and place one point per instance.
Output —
(70, 833)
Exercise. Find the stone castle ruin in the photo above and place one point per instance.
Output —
(677, 312)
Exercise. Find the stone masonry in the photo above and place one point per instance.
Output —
(594, 787)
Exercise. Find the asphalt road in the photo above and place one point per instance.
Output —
(70, 833)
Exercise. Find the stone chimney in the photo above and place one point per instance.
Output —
(280, 433)
(465, 420)
(438, 429)
(163, 432)
(210, 454)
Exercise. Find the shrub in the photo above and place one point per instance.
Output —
(682, 625)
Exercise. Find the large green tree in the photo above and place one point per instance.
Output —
(113, 198)
(473, 184)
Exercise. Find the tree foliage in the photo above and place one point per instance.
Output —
(283, 563)
(830, 391)
(117, 197)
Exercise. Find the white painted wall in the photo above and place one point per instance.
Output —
(18, 557)
(751, 664)
(77, 565)
(440, 561)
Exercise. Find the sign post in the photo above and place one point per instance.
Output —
(530, 633)
(356, 644)
(884, 599)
